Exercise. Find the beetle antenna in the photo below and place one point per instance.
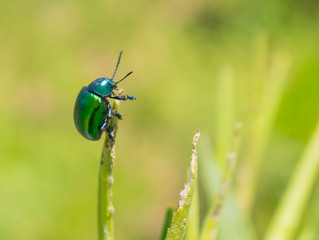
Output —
(124, 77)
(118, 62)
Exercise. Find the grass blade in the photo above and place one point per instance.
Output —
(287, 218)
(225, 90)
(233, 217)
(310, 230)
(271, 93)
(211, 221)
(192, 228)
(167, 222)
(180, 215)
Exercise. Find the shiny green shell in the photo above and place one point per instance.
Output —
(102, 87)
(89, 114)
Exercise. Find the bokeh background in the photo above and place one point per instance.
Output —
(197, 64)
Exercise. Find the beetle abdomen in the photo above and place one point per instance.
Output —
(89, 114)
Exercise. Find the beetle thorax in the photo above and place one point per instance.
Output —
(102, 87)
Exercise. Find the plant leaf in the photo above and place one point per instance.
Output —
(270, 94)
(289, 213)
(180, 215)
(211, 220)
(167, 222)
(192, 228)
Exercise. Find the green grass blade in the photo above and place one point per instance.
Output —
(192, 228)
(105, 202)
(232, 216)
(180, 216)
(310, 228)
(211, 220)
(224, 115)
(167, 222)
(287, 218)
(260, 128)
(210, 174)
(307, 234)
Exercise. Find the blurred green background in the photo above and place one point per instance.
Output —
(197, 64)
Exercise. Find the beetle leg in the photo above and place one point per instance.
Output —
(110, 134)
(109, 114)
(119, 116)
(124, 97)
(119, 98)
(104, 125)
(131, 97)
(108, 109)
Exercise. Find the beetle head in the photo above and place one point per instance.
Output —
(104, 87)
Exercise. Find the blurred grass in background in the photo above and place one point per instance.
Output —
(196, 64)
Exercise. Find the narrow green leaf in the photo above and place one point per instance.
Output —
(192, 228)
(167, 222)
(310, 227)
(224, 115)
(274, 82)
(180, 216)
(233, 216)
(210, 225)
(210, 174)
(307, 234)
(105, 196)
(288, 216)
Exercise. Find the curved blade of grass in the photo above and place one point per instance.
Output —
(289, 213)
(210, 173)
(180, 215)
(233, 216)
(192, 227)
(167, 222)
(211, 220)
(272, 92)
(225, 95)
(105, 204)
(310, 230)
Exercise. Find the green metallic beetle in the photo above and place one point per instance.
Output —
(93, 111)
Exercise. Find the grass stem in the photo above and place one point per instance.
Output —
(105, 195)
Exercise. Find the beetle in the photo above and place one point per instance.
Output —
(92, 109)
